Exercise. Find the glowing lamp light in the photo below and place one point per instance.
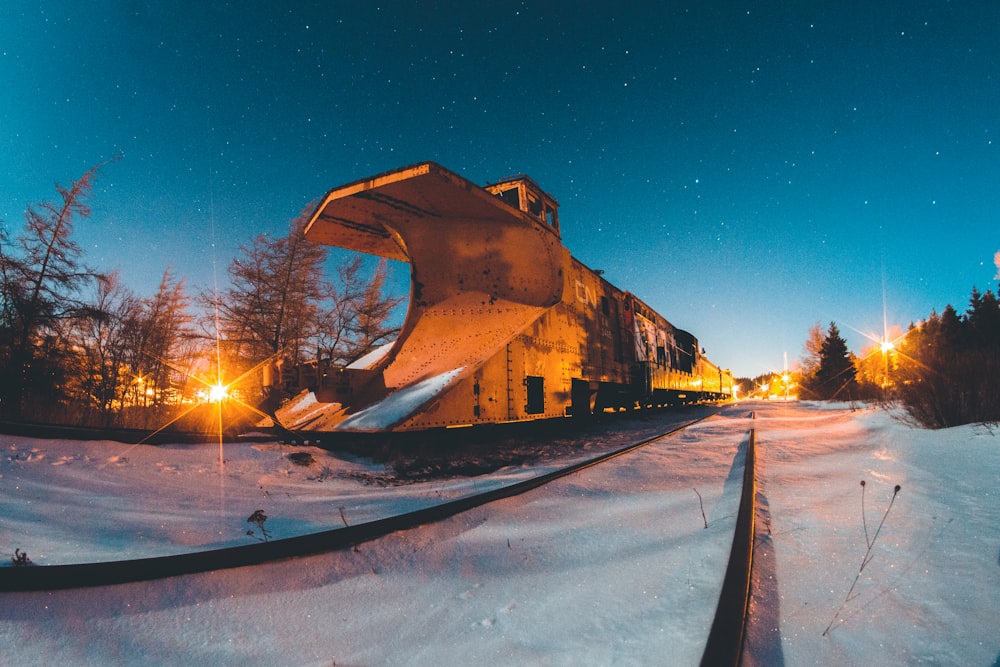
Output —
(218, 392)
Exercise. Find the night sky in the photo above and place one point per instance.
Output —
(746, 168)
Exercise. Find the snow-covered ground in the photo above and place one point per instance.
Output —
(612, 565)
(930, 592)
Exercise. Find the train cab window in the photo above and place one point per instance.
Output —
(535, 206)
(551, 218)
(509, 197)
(522, 193)
(536, 395)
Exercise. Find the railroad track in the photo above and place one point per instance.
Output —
(725, 640)
(727, 630)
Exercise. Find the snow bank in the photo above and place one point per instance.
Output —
(612, 565)
(930, 590)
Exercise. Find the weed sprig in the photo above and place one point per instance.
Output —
(867, 558)
(258, 518)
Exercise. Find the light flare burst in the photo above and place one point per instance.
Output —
(218, 392)
(215, 391)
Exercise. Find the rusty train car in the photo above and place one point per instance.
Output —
(503, 325)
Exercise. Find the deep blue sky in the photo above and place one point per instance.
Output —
(747, 168)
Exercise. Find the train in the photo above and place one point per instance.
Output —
(503, 323)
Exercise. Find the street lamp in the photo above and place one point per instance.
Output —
(886, 346)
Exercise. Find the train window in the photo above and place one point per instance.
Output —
(536, 394)
(509, 197)
(551, 217)
(535, 206)
(524, 195)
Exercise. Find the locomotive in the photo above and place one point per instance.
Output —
(503, 324)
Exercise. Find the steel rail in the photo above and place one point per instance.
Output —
(82, 575)
(725, 639)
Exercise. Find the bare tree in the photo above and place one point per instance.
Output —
(8, 295)
(280, 304)
(9, 298)
(101, 338)
(43, 285)
(358, 318)
(812, 351)
(272, 306)
(161, 336)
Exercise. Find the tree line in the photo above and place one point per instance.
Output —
(77, 346)
(949, 367)
(943, 370)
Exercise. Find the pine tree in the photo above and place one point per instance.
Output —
(835, 376)
(953, 360)
(983, 319)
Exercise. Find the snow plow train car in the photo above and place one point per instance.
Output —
(503, 325)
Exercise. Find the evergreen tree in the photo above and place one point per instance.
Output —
(835, 376)
(951, 365)
(983, 317)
